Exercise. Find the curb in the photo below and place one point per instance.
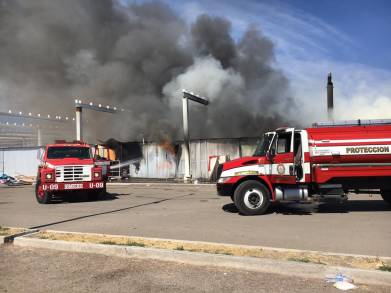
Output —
(11, 238)
(288, 268)
(228, 245)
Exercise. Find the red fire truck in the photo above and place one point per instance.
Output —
(325, 161)
(68, 167)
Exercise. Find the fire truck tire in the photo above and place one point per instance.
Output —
(252, 198)
(386, 195)
(43, 197)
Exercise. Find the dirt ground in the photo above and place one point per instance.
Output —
(39, 270)
(360, 262)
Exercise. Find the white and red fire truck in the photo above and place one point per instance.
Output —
(68, 167)
(325, 161)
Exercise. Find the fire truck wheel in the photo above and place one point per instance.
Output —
(43, 197)
(386, 195)
(252, 198)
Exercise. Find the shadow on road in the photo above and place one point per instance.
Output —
(109, 212)
(61, 198)
(310, 208)
(231, 208)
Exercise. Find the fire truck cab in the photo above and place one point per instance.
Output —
(68, 167)
(323, 162)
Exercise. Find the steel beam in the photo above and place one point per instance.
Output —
(38, 117)
(195, 98)
(99, 107)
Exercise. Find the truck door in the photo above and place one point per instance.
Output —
(281, 157)
(298, 154)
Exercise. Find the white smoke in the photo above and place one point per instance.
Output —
(360, 92)
(207, 78)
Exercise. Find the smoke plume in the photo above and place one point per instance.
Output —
(138, 57)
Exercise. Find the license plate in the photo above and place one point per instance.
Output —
(73, 186)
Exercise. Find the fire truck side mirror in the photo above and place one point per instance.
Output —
(271, 153)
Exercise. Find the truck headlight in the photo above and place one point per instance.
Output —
(96, 174)
(49, 176)
(223, 179)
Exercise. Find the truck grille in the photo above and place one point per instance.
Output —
(73, 173)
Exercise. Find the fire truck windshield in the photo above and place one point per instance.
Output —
(263, 145)
(68, 152)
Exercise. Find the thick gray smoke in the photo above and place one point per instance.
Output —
(138, 57)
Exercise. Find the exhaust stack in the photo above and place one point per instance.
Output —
(330, 98)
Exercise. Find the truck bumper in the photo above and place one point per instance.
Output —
(225, 189)
(62, 186)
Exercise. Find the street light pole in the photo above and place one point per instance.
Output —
(79, 105)
(185, 108)
(79, 134)
(39, 136)
(186, 153)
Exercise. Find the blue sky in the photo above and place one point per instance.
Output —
(363, 26)
(350, 38)
(366, 23)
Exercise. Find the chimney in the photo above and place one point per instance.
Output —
(330, 98)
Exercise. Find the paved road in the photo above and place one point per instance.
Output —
(195, 212)
(39, 270)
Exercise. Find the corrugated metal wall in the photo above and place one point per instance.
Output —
(157, 161)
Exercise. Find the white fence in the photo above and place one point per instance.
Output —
(23, 161)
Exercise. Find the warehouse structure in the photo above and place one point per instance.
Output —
(149, 159)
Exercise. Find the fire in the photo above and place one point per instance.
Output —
(168, 146)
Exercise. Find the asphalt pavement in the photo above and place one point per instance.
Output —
(195, 212)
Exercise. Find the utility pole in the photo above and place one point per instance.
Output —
(185, 108)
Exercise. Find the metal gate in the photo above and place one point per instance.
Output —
(115, 170)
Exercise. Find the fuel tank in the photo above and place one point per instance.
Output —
(350, 144)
